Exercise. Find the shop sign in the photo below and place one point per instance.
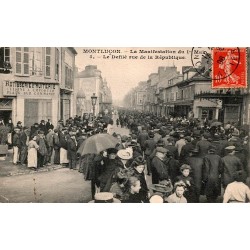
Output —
(12, 88)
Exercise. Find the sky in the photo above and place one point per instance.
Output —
(121, 73)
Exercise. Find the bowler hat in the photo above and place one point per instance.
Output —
(161, 150)
(105, 197)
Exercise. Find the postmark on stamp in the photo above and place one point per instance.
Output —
(225, 67)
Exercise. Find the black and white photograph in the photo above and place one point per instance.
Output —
(126, 125)
(123, 102)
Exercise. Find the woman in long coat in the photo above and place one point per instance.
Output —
(32, 152)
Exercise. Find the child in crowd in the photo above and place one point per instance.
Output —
(177, 196)
(132, 188)
(188, 180)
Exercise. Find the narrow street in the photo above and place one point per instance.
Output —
(56, 186)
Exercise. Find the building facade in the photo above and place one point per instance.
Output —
(89, 82)
(31, 83)
(189, 94)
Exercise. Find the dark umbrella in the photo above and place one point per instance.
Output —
(97, 143)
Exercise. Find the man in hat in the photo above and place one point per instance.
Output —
(212, 171)
(157, 135)
(136, 149)
(171, 147)
(71, 150)
(159, 168)
(56, 146)
(24, 140)
(16, 145)
(172, 166)
(42, 151)
(231, 165)
(180, 143)
(150, 145)
(34, 129)
(19, 125)
(186, 148)
(42, 127)
(60, 125)
(203, 144)
(49, 125)
(142, 138)
(196, 163)
(123, 143)
(216, 143)
(241, 155)
(50, 145)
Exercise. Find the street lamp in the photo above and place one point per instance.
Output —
(93, 100)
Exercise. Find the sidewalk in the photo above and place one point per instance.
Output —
(7, 168)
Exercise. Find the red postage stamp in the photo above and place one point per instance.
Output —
(229, 68)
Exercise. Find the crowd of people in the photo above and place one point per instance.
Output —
(187, 156)
(184, 156)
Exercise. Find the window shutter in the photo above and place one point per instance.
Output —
(47, 62)
(66, 76)
(26, 61)
(57, 65)
(18, 60)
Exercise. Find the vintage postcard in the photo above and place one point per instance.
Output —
(124, 125)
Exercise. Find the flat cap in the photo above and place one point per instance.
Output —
(161, 150)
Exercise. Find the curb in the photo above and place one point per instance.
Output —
(26, 172)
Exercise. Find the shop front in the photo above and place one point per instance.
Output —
(32, 101)
(5, 109)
